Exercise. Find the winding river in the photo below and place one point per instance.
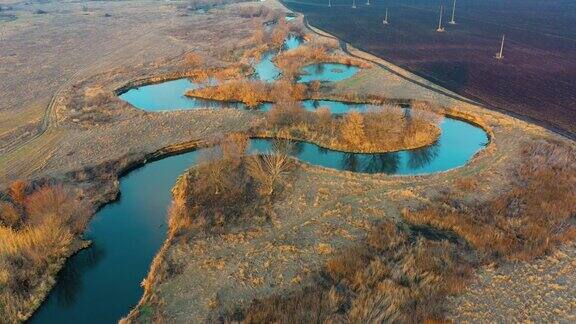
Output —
(102, 283)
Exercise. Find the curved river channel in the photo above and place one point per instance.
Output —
(101, 284)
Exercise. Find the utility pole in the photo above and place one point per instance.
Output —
(500, 55)
(385, 22)
(440, 28)
(453, 22)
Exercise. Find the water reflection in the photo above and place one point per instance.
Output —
(265, 69)
(458, 142)
(421, 157)
(170, 95)
(69, 282)
(383, 163)
(100, 284)
(349, 162)
(328, 72)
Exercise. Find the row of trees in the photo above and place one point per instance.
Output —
(253, 93)
(380, 128)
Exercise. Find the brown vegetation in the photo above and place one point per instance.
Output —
(380, 129)
(264, 39)
(526, 221)
(207, 4)
(258, 11)
(37, 231)
(399, 276)
(193, 59)
(226, 188)
(280, 33)
(315, 51)
(393, 276)
(252, 93)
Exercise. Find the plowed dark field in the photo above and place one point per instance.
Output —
(536, 79)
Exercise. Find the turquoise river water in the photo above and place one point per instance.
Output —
(101, 284)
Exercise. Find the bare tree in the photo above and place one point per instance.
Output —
(269, 171)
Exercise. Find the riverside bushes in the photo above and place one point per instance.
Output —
(315, 51)
(252, 93)
(379, 129)
(37, 230)
(227, 188)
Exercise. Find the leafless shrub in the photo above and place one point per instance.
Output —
(227, 188)
(324, 117)
(286, 114)
(97, 100)
(193, 59)
(269, 171)
(9, 215)
(280, 32)
(254, 11)
(53, 203)
(234, 146)
(17, 191)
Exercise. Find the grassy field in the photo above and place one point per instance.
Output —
(261, 270)
(44, 54)
(98, 54)
(535, 79)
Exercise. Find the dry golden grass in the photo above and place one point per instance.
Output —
(269, 172)
(36, 231)
(17, 192)
(380, 129)
(227, 188)
(252, 93)
(526, 221)
(393, 276)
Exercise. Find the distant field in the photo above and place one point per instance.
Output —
(536, 79)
